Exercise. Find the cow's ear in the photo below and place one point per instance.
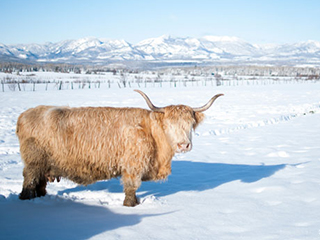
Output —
(199, 117)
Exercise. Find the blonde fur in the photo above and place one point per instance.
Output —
(90, 144)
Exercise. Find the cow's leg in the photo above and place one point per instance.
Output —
(34, 184)
(131, 182)
(41, 187)
(29, 184)
(135, 162)
(130, 198)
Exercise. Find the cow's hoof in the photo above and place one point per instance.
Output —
(27, 194)
(130, 201)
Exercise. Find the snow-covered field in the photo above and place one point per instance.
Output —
(253, 173)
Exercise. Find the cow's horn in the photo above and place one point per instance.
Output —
(206, 106)
(150, 104)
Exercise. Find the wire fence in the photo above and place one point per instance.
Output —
(14, 85)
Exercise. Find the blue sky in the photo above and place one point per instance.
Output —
(259, 21)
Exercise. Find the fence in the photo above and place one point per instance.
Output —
(73, 85)
(47, 86)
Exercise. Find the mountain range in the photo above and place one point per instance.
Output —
(162, 49)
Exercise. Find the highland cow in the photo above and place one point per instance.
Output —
(89, 144)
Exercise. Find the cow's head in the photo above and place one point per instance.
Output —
(179, 120)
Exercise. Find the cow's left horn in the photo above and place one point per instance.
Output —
(208, 105)
(150, 104)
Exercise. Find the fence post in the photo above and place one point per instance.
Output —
(2, 82)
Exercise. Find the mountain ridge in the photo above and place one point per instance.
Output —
(163, 48)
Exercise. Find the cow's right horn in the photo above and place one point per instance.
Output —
(208, 104)
(150, 104)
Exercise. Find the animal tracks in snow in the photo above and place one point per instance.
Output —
(300, 111)
(105, 198)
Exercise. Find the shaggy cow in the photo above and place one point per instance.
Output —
(89, 144)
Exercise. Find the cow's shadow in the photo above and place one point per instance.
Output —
(199, 176)
(191, 176)
(53, 217)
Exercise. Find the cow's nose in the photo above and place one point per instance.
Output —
(184, 147)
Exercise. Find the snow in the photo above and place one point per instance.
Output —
(253, 172)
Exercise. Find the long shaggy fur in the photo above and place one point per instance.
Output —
(90, 144)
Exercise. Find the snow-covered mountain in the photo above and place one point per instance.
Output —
(163, 48)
